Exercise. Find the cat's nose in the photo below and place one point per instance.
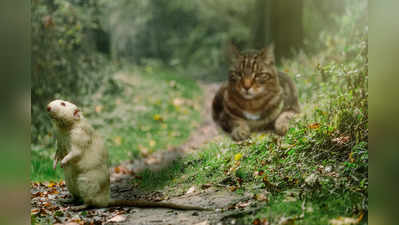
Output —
(247, 84)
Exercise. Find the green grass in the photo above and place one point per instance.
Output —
(138, 111)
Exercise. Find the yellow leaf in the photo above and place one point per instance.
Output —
(99, 108)
(157, 117)
(314, 126)
(117, 140)
(237, 156)
(51, 184)
(152, 143)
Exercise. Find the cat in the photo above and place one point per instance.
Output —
(256, 97)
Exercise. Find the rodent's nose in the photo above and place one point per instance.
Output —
(48, 108)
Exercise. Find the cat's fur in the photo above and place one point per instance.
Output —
(256, 97)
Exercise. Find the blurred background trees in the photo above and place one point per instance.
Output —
(75, 43)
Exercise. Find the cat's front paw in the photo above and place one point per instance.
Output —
(282, 123)
(240, 134)
(281, 128)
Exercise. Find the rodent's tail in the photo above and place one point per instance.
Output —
(144, 203)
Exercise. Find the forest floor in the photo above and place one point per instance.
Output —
(227, 205)
(265, 180)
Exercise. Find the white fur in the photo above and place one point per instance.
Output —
(251, 116)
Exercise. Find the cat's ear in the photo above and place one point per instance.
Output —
(233, 52)
(268, 54)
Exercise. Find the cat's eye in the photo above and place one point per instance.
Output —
(263, 76)
(234, 75)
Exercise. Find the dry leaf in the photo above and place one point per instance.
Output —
(314, 126)
(203, 223)
(152, 143)
(99, 108)
(178, 101)
(51, 184)
(157, 117)
(117, 140)
(341, 140)
(343, 221)
(190, 190)
(261, 197)
(118, 218)
(233, 188)
(205, 186)
(243, 204)
(260, 222)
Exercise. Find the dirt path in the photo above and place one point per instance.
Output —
(206, 132)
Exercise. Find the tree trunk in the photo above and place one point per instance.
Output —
(262, 32)
(287, 26)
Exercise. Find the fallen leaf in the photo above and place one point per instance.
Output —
(351, 159)
(51, 184)
(143, 150)
(261, 197)
(34, 211)
(203, 223)
(190, 190)
(117, 140)
(233, 188)
(157, 117)
(314, 125)
(243, 204)
(99, 108)
(205, 186)
(178, 101)
(341, 140)
(260, 222)
(237, 156)
(152, 143)
(118, 218)
(343, 221)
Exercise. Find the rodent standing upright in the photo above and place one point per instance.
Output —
(84, 159)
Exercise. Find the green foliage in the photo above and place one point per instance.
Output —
(178, 33)
(65, 63)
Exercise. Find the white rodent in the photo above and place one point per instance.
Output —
(84, 158)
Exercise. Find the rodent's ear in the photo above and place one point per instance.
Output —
(76, 113)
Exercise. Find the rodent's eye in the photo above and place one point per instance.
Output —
(63, 103)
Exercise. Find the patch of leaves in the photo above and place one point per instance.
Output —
(47, 207)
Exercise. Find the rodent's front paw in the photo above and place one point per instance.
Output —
(240, 134)
(63, 163)
(55, 163)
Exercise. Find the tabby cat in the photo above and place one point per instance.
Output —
(256, 96)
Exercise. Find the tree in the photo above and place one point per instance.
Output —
(279, 22)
